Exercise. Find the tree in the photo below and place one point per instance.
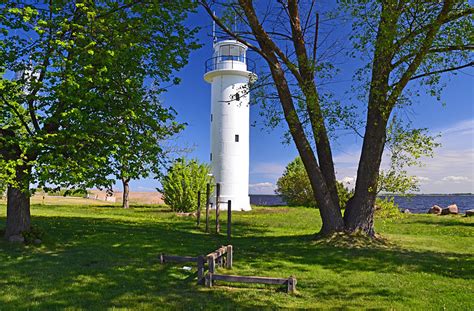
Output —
(405, 146)
(405, 41)
(181, 184)
(142, 125)
(143, 151)
(56, 121)
(295, 188)
(294, 185)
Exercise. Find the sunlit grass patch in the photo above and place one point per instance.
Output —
(99, 257)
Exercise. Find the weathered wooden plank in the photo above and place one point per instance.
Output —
(208, 280)
(229, 257)
(291, 284)
(220, 258)
(211, 263)
(218, 195)
(172, 258)
(249, 279)
(218, 252)
(200, 269)
(199, 209)
(208, 195)
(229, 219)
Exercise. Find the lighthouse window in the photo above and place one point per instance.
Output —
(211, 156)
(211, 117)
(236, 138)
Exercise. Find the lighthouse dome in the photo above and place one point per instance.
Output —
(229, 55)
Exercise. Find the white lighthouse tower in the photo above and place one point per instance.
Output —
(229, 72)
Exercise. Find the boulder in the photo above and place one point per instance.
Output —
(452, 209)
(435, 209)
(470, 212)
(16, 239)
(183, 214)
(37, 241)
(406, 211)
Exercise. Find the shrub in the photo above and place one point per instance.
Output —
(182, 182)
(387, 209)
(63, 192)
(295, 188)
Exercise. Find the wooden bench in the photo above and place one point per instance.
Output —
(289, 282)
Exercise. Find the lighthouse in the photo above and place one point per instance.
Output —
(229, 73)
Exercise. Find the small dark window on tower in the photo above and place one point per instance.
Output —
(211, 117)
(237, 96)
(211, 156)
(236, 138)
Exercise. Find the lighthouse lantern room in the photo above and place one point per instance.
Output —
(229, 73)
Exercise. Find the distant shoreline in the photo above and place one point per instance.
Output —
(399, 195)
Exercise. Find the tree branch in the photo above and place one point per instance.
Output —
(20, 117)
(449, 18)
(405, 58)
(315, 43)
(471, 64)
(267, 41)
(425, 47)
(216, 19)
(123, 7)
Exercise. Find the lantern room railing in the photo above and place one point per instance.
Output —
(228, 62)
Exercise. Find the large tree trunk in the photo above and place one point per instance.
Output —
(18, 205)
(359, 214)
(126, 191)
(313, 108)
(330, 212)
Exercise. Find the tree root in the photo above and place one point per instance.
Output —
(358, 239)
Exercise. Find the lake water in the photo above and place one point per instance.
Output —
(416, 204)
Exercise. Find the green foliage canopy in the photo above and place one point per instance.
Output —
(295, 188)
(86, 72)
(182, 183)
(406, 146)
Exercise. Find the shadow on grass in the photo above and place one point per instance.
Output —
(450, 222)
(91, 263)
(102, 263)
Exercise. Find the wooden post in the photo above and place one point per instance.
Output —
(218, 197)
(211, 263)
(208, 194)
(209, 280)
(229, 219)
(200, 270)
(229, 257)
(220, 258)
(291, 284)
(173, 258)
(199, 209)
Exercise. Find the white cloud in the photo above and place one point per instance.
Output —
(262, 188)
(465, 127)
(348, 158)
(349, 181)
(268, 170)
(450, 170)
(422, 179)
(262, 184)
(456, 179)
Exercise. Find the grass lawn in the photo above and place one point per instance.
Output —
(104, 257)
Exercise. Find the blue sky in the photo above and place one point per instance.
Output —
(450, 170)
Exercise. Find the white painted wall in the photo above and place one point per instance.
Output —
(230, 117)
